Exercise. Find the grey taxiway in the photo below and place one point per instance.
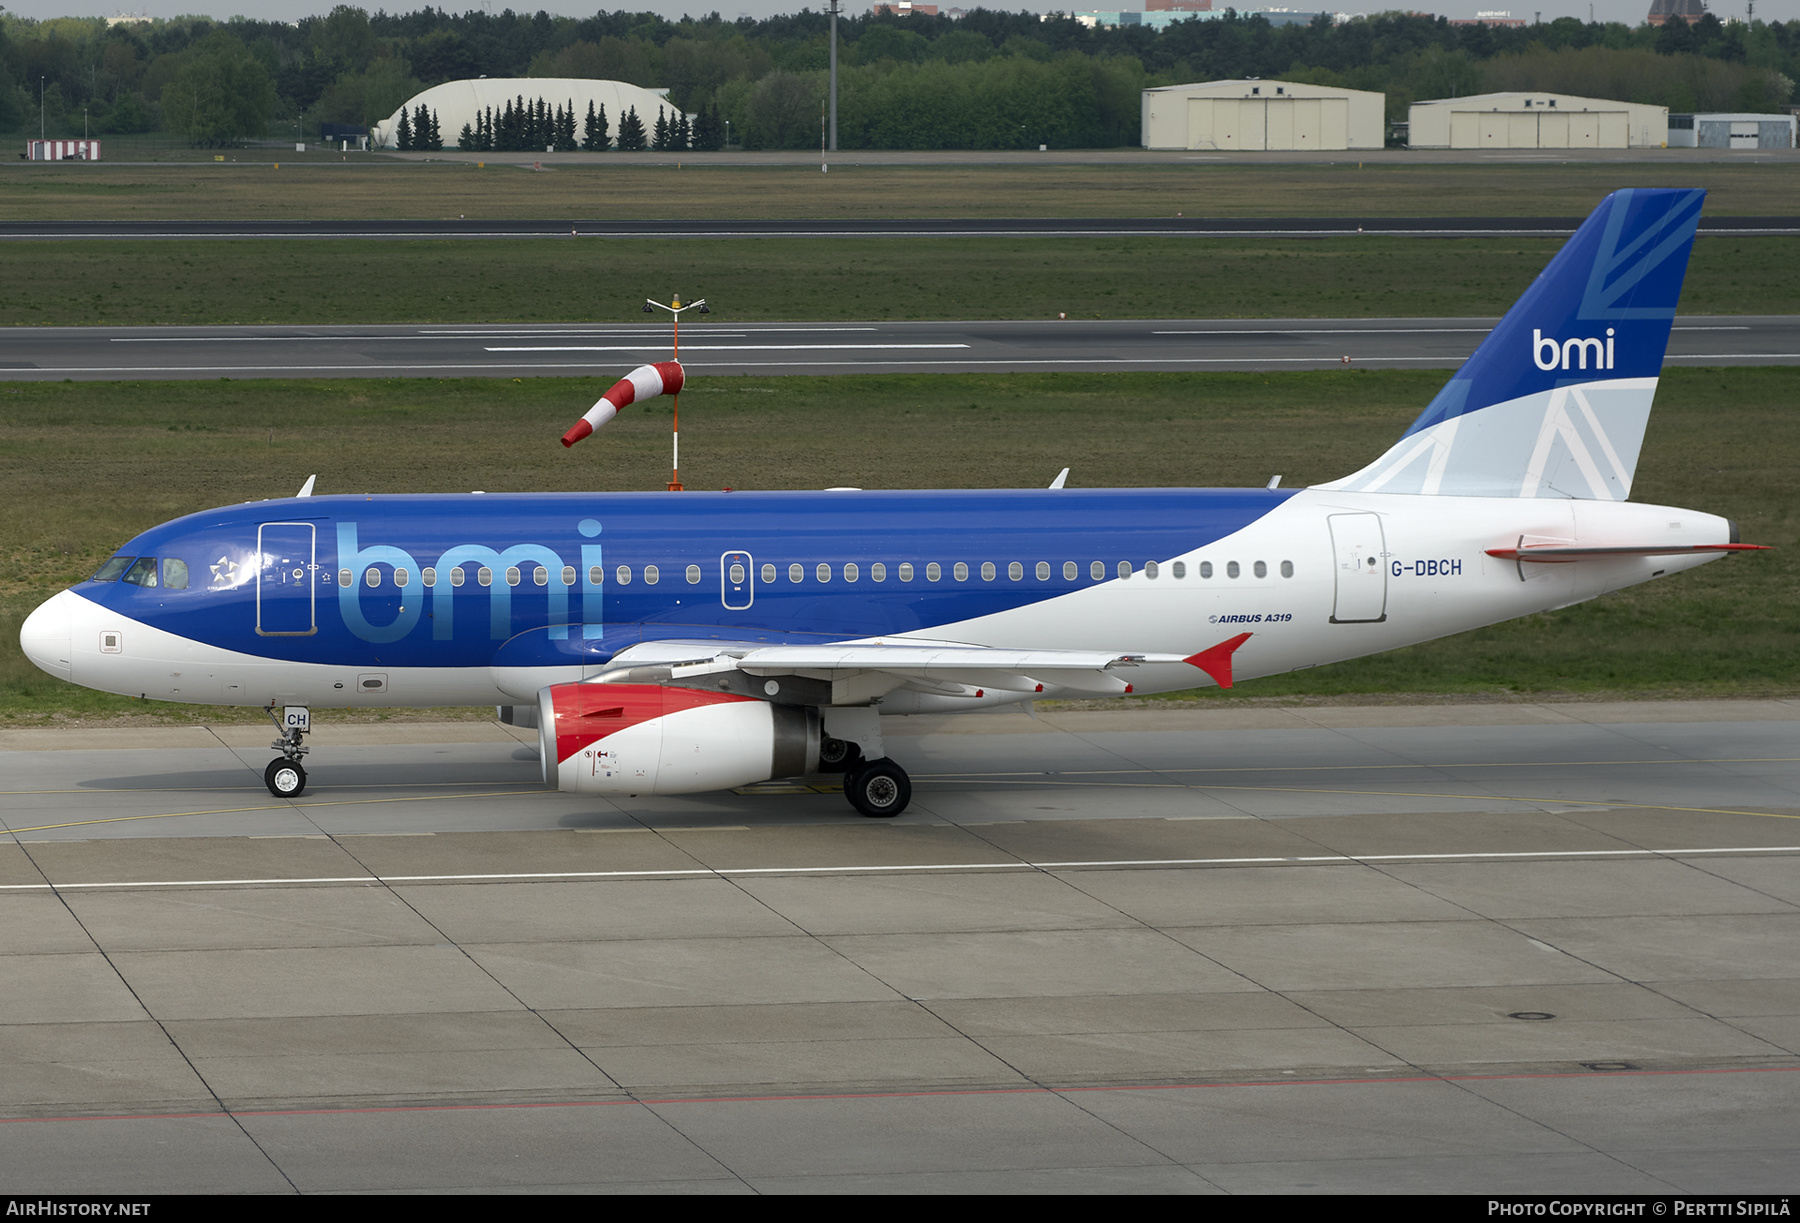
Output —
(719, 347)
(1509, 948)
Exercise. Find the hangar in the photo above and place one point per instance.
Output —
(458, 102)
(1744, 131)
(1536, 121)
(1251, 114)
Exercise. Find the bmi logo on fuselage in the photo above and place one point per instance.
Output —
(1571, 353)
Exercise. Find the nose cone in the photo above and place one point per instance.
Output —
(45, 635)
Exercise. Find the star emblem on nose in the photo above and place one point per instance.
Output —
(225, 571)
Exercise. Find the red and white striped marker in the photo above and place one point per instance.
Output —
(644, 382)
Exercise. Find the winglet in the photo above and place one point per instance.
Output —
(1060, 477)
(306, 489)
(1216, 660)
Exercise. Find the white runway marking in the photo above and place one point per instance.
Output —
(920, 867)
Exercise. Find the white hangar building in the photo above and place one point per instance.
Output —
(1246, 115)
(1536, 121)
(458, 102)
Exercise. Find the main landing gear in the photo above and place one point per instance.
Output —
(877, 788)
(284, 776)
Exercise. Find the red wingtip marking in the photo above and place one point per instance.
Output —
(1128, 687)
(581, 430)
(1216, 660)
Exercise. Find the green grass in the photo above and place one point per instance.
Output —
(84, 466)
(321, 185)
(167, 283)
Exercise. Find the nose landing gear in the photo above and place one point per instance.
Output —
(285, 777)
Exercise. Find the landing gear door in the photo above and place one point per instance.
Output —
(286, 580)
(737, 581)
(1358, 549)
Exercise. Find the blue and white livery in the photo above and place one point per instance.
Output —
(671, 644)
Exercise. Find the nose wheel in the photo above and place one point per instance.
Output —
(284, 776)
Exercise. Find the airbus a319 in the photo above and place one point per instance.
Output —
(669, 644)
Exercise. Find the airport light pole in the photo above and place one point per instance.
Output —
(834, 17)
(676, 309)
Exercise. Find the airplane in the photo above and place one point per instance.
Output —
(671, 644)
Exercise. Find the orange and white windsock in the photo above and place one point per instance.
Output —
(644, 382)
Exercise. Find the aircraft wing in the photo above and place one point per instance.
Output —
(855, 672)
(944, 668)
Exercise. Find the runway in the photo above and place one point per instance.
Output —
(917, 227)
(723, 348)
(1507, 948)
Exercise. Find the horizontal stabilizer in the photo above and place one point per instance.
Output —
(1563, 554)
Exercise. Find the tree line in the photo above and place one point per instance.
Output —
(527, 127)
(989, 80)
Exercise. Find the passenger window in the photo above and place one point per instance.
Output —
(693, 575)
(1071, 571)
(175, 574)
(768, 574)
(878, 572)
(796, 572)
(346, 578)
(961, 571)
(512, 575)
(143, 573)
(736, 573)
(822, 572)
(568, 575)
(1231, 569)
(906, 571)
(933, 572)
(1287, 569)
(651, 575)
(623, 574)
(1261, 570)
(596, 575)
(1179, 569)
(429, 575)
(987, 571)
(851, 572)
(371, 576)
(1043, 571)
(540, 576)
(457, 576)
(1124, 569)
(110, 571)
(1097, 571)
(402, 577)
(1205, 569)
(1015, 571)
(485, 576)
(1150, 570)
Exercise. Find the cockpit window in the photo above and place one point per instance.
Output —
(175, 573)
(110, 571)
(143, 573)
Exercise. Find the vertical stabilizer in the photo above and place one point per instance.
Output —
(1555, 401)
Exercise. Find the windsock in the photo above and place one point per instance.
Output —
(644, 382)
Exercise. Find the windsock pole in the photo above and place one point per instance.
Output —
(675, 400)
(675, 308)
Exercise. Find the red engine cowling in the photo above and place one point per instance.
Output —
(646, 739)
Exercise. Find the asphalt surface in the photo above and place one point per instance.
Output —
(1534, 949)
(723, 348)
(1196, 227)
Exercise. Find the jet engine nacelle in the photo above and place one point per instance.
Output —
(647, 739)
